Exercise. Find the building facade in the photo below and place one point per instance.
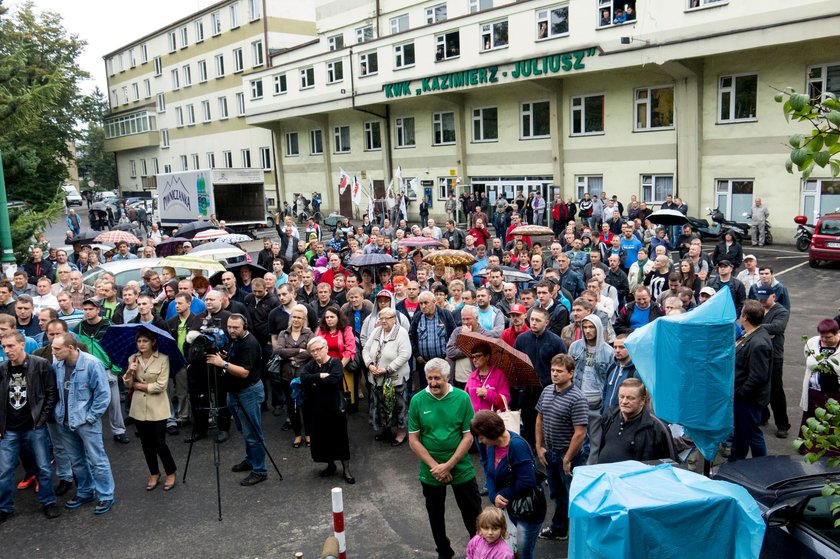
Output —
(648, 99)
(176, 95)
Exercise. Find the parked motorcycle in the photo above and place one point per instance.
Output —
(803, 234)
(719, 226)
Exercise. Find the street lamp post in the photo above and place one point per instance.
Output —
(7, 254)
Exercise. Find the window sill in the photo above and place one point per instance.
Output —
(706, 7)
(550, 37)
(336, 82)
(256, 98)
(494, 49)
(372, 150)
(737, 121)
(438, 61)
(444, 144)
(318, 153)
(613, 25)
(369, 74)
(279, 94)
(341, 152)
(406, 146)
(292, 155)
(307, 87)
(490, 141)
(406, 67)
(528, 138)
(587, 134)
(658, 129)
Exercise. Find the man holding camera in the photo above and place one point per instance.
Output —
(241, 366)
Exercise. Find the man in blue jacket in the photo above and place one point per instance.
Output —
(83, 396)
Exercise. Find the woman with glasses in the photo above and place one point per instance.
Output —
(291, 347)
(148, 375)
(387, 351)
(326, 422)
(487, 384)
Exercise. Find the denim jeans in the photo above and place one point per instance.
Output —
(89, 461)
(748, 436)
(63, 468)
(38, 440)
(558, 485)
(248, 408)
(526, 538)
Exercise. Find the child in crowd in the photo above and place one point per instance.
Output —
(489, 542)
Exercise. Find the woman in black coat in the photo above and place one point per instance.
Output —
(729, 248)
(325, 421)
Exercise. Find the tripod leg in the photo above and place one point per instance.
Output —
(189, 454)
(262, 439)
(217, 461)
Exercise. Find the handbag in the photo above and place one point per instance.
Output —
(345, 397)
(274, 363)
(530, 507)
(512, 419)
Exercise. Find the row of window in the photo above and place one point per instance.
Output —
(189, 110)
(183, 76)
(135, 123)
(551, 22)
(226, 159)
(180, 38)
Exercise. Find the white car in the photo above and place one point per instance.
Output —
(71, 195)
(132, 270)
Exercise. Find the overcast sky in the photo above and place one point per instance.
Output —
(106, 26)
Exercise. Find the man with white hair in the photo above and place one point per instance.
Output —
(439, 434)
(462, 365)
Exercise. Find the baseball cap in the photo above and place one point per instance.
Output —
(95, 302)
(517, 309)
(385, 293)
(724, 262)
(751, 257)
(188, 244)
(763, 292)
(710, 291)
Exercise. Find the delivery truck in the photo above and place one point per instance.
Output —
(235, 196)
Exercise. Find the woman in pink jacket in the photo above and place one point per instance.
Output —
(486, 384)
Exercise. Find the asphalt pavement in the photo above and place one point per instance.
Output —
(384, 510)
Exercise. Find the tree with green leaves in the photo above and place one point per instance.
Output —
(40, 107)
(820, 147)
(93, 161)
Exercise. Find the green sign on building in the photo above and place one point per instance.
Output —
(522, 69)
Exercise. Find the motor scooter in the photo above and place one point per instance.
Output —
(719, 226)
(768, 234)
(804, 233)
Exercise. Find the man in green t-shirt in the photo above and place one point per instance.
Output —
(439, 434)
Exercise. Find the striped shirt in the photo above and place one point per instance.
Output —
(561, 412)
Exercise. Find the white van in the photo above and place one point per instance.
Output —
(71, 195)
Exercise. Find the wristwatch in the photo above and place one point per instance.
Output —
(225, 366)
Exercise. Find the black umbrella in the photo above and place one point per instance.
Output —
(372, 260)
(256, 272)
(86, 236)
(667, 217)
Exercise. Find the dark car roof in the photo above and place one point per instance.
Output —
(770, 478)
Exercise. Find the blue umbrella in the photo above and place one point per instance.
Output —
(119, 343)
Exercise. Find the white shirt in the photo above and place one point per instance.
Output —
(41, 302)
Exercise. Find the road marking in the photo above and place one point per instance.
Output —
(789, 257)
(791, 268)
(765, 249)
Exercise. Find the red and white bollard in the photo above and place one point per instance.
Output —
(338, 521)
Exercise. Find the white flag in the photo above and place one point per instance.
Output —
(343, 180)
(357, 191)
(370, 200)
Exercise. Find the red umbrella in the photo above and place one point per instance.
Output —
(117, 237)
(515, 364)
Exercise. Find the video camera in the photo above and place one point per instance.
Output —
(209, 340)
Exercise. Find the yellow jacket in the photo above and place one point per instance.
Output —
(154, 405)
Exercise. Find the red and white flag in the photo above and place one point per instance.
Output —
(357, 191)
(343, 181)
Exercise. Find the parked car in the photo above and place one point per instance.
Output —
(71, 195)
(131, 270)
(825, 244)
(788, 491)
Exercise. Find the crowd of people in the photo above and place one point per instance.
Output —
(315, 339)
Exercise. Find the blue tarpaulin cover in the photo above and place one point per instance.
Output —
(687, 362)
(633, 510)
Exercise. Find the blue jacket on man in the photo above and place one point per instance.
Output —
(89, 394)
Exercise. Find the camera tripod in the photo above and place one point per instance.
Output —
(213, 410)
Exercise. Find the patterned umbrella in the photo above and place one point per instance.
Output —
(535, 230)
(233, 238)
(119, 344)
(208, 234)
(449, 257)
(419, 242)
(117, 237)
(515, 364)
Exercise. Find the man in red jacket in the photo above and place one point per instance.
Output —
(517, 324)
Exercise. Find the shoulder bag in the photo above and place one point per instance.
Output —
(530, 507)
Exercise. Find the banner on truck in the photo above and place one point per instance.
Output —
(185, 196)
